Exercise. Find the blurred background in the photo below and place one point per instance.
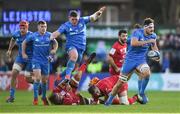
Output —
(120, 14)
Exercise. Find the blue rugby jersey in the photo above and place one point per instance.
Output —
(75, 35)
(139, 52)
(19, 39)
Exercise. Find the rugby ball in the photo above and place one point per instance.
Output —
(153, 54)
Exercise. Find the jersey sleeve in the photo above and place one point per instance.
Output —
(86, 19)
(14, 35)
(29, 38)
(136, 34)
(62, 29)
(113, 50)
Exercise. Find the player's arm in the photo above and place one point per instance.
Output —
(11, 46)
(24, 44)
(55, 34)
(97, 14)
(55, 46)
(154, 47)
(136, 42)
(112, 63)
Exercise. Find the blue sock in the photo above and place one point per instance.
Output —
(63, 74)
(43, 90)
(109, 100)
(139, 85)
(144, 85)
(12, 92)
(36, 88)
(70, 67)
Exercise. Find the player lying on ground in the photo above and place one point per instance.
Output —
(101, 88)
(67, 94)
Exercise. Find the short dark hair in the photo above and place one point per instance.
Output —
(137, 26)
(73, 13)
(41, 22)
(122, 31)
(91, 89)
(52, 98)
(147, 21)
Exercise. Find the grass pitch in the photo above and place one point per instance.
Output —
(159, 102)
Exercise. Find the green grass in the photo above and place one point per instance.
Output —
(160, 102)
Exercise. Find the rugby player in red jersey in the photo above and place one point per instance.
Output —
(67, 94)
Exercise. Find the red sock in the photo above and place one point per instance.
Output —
(82, 68)
(132, 100)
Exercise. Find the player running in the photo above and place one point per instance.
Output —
(141, 40)
(17, 38)
(40, 63)
(75, 32)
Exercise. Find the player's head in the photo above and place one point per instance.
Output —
(148, 26)
(56, 98)
(74, 17)
(94, 90)
(122, 36)
(23, 26)
(42, 26)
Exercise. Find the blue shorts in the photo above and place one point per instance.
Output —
(80, 53)
(130, 65)
(26, 63)
(44, 67)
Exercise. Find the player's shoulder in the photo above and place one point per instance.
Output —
(66, 24)
(154, 35)
(29, 33)
(48, 33)
(82, 19)
(139, 31)
(16, 34)
(115, 44)
(34, 33)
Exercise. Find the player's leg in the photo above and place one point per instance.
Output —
(144, 74)
(29, 73)
(37, 77)
(77, 77)
(73, 56)
(45, 75)
(17, 67)
(127, 68)
(123, 94)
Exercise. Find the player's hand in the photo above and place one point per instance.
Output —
(24, 56)
(8, 53)
(157, 60)
(99, 13)
(102, 8)
(53, 51)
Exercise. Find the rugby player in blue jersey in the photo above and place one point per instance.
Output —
(75, 32)
(141, 40)
(17, 38)
(40, 63)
